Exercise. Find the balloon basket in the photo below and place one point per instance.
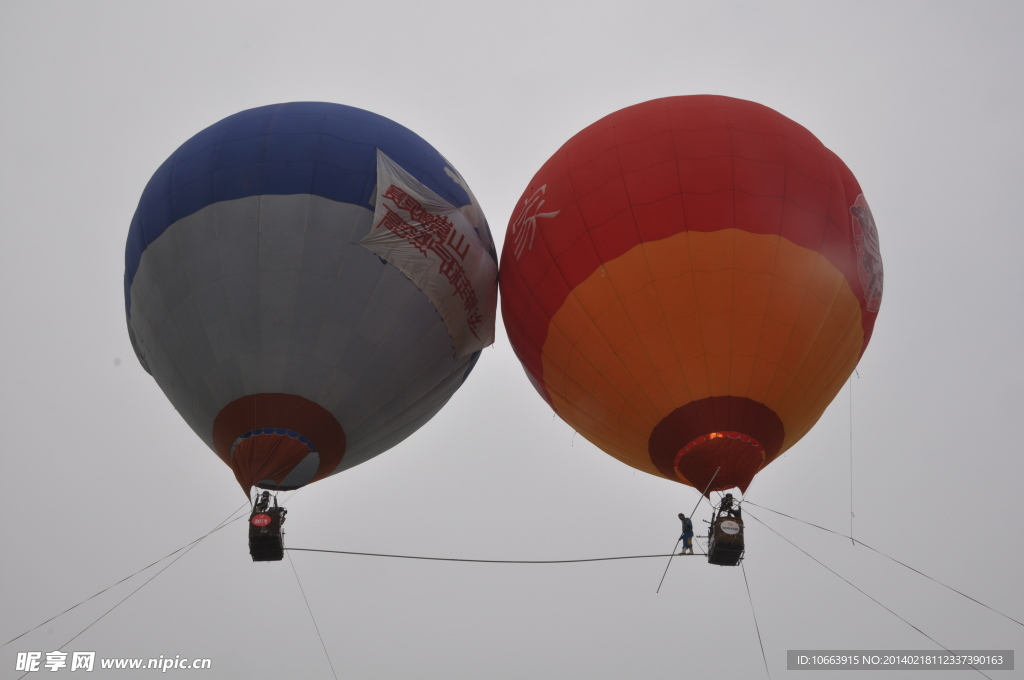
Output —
(266, 540)
(725, 541)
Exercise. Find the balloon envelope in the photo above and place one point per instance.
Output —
(689, 282)
(308, 283)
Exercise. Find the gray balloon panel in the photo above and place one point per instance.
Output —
(272, 294)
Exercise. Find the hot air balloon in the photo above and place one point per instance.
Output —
(688, 282)
(308, 283)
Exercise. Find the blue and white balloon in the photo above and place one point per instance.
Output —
(308, 283)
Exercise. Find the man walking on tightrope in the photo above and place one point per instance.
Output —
(687, 537)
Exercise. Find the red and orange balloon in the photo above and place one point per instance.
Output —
(689, 282)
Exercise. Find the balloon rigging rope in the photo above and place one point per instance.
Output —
(893, 559)
(310, 609)
(858, 589)
(756, 627)
(186, 548)
(851, 459)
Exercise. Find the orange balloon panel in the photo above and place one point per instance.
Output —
(689, 282)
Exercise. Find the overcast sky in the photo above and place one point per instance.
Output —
(923, 101)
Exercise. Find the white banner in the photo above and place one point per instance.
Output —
(433, 243)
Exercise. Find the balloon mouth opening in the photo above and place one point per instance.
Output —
(720, 460)
(272, 431)
(278, 441)
(273, 458)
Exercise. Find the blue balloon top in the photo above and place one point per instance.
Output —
(317, 148)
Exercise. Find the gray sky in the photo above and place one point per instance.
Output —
(923, 100)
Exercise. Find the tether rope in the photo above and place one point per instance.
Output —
(916, 571)
(189, 546)
(851, 456)
(858, 589)
(310, 609)
(756, 627)
(122, 600)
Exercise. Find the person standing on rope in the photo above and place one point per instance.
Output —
(687, 537)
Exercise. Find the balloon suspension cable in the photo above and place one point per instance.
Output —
(860, 590)
(891, 559)
(851, 462)
(706, 489)
(187, 547)
(310, 610)
(756, 627)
